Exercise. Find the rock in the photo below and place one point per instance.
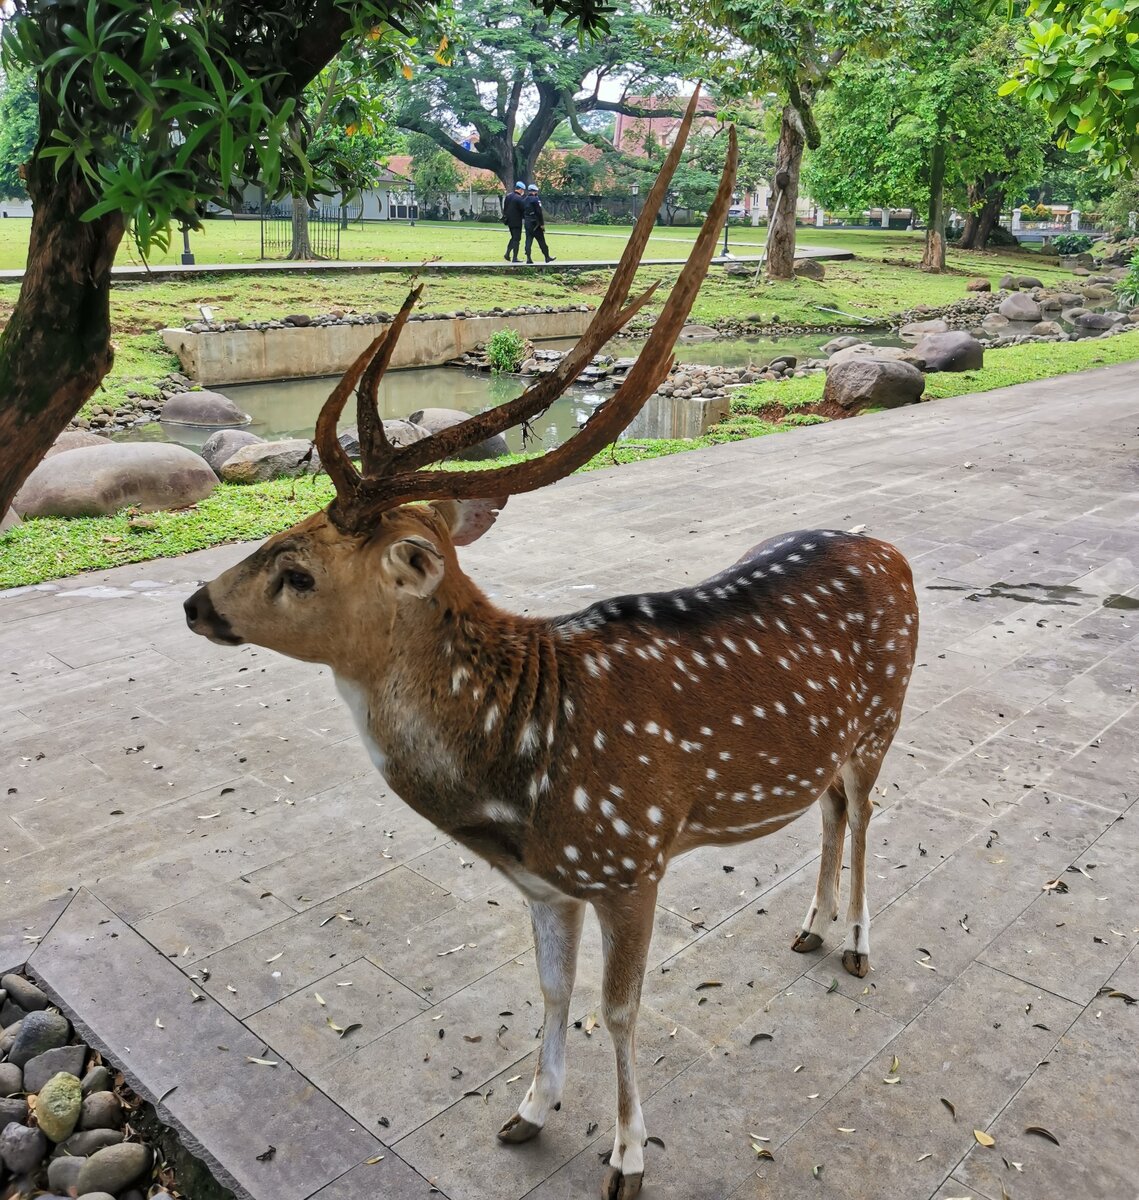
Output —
(1095, 321)
(436, 419)
(96, 481)
(842, 343)
(693, 333)
(1019, 307)
(57, 1108)
(864, 352)
(39, 1031)
(22, 991)
(950, 352)
(101, 1110)
(979, 284)
(222, 445)
(1028, 281)
(854, 385)
(22, 1149)
(809, 268)
(63, 1174)
(114, 1169)
(9, 521)
(300, 320)
(84, 1144)
(202, 408)
(96, 1196)
(1133, 316)
(399, 433)
(39, 1070)
(14, 1108)
(11, 1079)
(916, 330)
(271, 460)
(1007, 283)
(98, 1079)
(785, 362)
(72, 439)
(1097, 295)
(993, 322)
(1048, 329)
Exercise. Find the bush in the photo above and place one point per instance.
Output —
(489, 217)
(1127, 289)
(1072, 243)
(505, 351)
(1000, 236)
(601, 217)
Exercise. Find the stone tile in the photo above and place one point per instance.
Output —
(319, 940)
(14, 842)
(357, 994)
(974, 1046)
(390, 1178)
(450, 866)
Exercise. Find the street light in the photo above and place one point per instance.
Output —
(187, 254)
(411, 203)
(727, 217)
(635, 191)
(391, 203)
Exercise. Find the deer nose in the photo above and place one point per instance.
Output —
(198, 607)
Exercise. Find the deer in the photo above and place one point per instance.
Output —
(579, 755)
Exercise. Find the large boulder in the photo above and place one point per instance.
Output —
(271, 460)
(809, 268)
(864, 352)
(203, 408)
(72, 439)
(434, 420)
(221, 446)
(993, 322)
(1019, 307)
(1028, 281)
(95, 481)
(843, 343)
(916, 330)
(979, 284)
(885, 383)
(1096, 322)
(952, 351)
(1048, 329)
(9, 521)
(697, 333)
(397, 431)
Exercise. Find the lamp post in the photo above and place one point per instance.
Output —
(187, 254)
(391, 203)
(411, 203)
(635, 191)
(673, 199)
(727, 218)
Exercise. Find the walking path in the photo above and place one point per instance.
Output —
(205, 819)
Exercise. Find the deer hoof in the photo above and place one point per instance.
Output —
(616, 1186)
(855, 963)
(518, 1129)
(804, 942)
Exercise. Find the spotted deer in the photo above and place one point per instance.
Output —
(580, 754)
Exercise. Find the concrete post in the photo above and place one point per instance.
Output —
(1016, 219)
(820, 218)
(885, 218)
(1074, 220)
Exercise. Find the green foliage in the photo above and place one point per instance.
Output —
(1127, 289)
(1123, 200)
(18, 124)
(1072, 243)
(505, 350)
(1081, 63)
(601, 217)
(433, 171)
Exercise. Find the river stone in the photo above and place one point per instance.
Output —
(22, 991)
(22, 1149)
(886, 383)
(994, 321)
(808, 268)
(57, 1108)
(11, 1079)
(63, 1174)
(96, 1196)
(13, 1108)
(72, 439)
(952, 351)
(1019, 307)
(202, 408)
(98, 1079)
(39, 1070)
(101, 1110)
(398, 432)
(436, 419)
(695, 333)
(39, 1031)
(95, 481)
(1049, 329)
(1028, 281)
(271, 460)
(1095, 321)
(220, 447)
(114, 1169)
(9, 521)
(916, 330)
(1007, 283)
(979, 284)
(84, 1144)
(864, 352)
(843, 343)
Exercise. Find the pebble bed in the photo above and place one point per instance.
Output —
(65, 1116)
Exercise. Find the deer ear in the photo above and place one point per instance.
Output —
(414, 566)
(468, 520)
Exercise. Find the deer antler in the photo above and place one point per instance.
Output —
(393, 477)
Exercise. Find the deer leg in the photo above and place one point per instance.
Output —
(857, 782)
(825, 903)
(626, 930)
(557, 932)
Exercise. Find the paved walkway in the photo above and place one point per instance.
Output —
(231, 838)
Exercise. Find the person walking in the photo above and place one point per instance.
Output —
(513, 217)
(536, 224)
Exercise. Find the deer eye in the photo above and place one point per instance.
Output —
(299, 581)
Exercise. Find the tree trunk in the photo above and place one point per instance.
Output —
(785, 195)
(56, 347)
(301, 247)
(986, 199)
(933, 258)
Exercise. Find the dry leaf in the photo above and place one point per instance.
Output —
(371, 1162)
(761, 1037)
(708, 983)
(891, 1079)
(844, 1129)
(319, 999)
(817, 1170)
(984, 1138)
(1040, 1131)
(763, 1152)
(209, 816)
(948, 1104)
(275, 957)
(894, 1065)
(923, 1157)
(158, 1023)
(261, 1062)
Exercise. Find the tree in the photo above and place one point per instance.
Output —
(1080, 62)
(17, 130)
(146, 112)
(433, 171)
(517, 76)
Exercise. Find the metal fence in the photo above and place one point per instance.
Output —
(300, 232)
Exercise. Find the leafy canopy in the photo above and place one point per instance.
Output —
(17, 130)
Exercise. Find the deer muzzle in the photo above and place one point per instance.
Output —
(204, 619)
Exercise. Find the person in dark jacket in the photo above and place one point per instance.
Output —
(535, 224)
(513, 217)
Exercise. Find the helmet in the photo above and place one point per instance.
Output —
(520, 186)
(532, 188)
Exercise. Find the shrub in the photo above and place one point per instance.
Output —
(1072, 243)
(1000, 236)
(505, 351)
(1127, 289)
(601, 217)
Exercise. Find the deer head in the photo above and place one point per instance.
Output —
(378, 548)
